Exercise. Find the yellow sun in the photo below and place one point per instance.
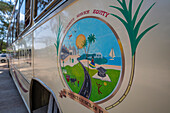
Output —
(80, 41)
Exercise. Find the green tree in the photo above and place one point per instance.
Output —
(84, 44)
(132, 28)
(6, 9)
(91, 39)
(57, 44)
(58, 35)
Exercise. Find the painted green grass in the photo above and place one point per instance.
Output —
(105, 89)
(75, 72)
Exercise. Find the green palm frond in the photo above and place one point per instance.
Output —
(84, 44)
(123, 21)
(129, 22)
(143, 33)
(59, 29)
(141, 20)
(136, 13)
(122, 11)
(91, 38)
(130, 9)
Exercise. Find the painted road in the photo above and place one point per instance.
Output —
(86, 87)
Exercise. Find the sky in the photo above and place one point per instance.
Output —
(10, 0)
(105, 38)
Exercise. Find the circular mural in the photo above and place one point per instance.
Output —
(92, 60)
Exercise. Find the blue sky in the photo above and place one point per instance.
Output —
(10, 0)
(105, 38)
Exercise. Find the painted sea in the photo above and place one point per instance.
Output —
(117, 61)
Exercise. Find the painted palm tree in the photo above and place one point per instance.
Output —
(91, 39)
(58, 35)
(84, 44)
(133, 31)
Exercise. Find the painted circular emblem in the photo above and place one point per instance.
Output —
(92, 60)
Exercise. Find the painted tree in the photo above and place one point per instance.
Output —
(132, 28)
(57, 44)
(91, 39)
(84, 44)
(58, 35)
(81, 42)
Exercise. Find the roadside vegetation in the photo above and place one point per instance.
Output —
(6, 8)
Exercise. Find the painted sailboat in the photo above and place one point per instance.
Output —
(112, 54)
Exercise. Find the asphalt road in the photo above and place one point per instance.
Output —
(10, 99)
(86, 87)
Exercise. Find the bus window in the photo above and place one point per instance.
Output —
(24, 15)
(16, 26)
(14, 30)
(9, 35)
(27, 13)
(41, 6)
(17, 7)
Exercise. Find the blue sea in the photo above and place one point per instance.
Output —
(117, 61)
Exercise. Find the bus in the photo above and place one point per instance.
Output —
(102, 56)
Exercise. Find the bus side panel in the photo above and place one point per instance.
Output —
(58, 67)
(22, 67)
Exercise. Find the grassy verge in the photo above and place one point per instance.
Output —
(74, 72)
(106, 89)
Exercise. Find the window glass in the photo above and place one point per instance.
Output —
(40, 5)
(10, 34)
(27, 13)
(14, 29)
(17, 7)
(22, 17)
(17, 26)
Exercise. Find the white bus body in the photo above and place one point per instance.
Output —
(51, 58)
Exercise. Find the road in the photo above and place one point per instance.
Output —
(10, 99)
(86, 87)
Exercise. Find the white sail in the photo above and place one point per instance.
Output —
(112, 54)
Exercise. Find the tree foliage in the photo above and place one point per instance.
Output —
(6, 9)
